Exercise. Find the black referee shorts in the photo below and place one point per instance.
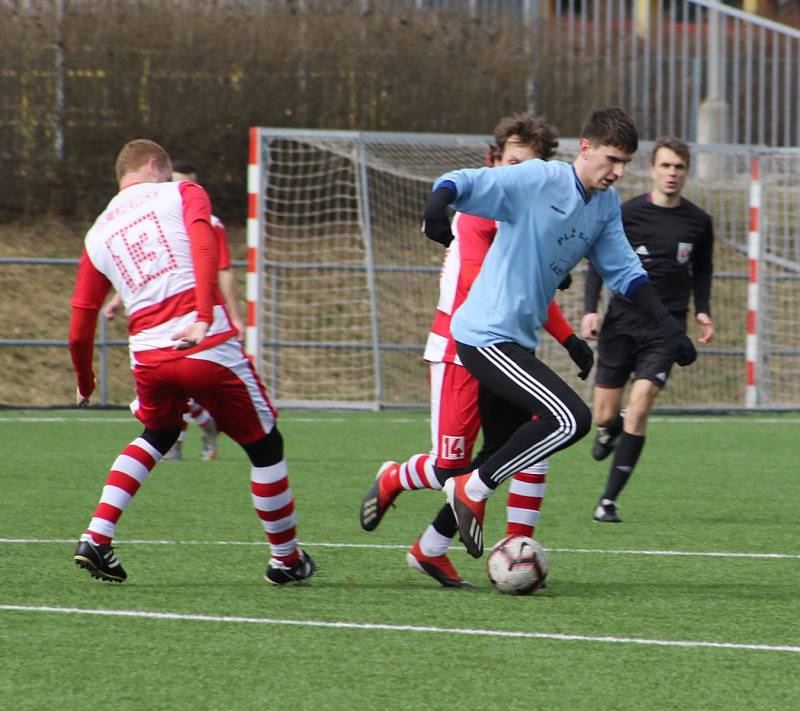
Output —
(517, 387)
(630, 343)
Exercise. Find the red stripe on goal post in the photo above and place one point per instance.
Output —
(253, 155)
(754, 266)
(254, 216)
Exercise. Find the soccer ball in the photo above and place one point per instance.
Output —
(517, 565)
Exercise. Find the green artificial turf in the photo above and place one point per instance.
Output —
(202, 630)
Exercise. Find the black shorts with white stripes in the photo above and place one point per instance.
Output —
(556, 416)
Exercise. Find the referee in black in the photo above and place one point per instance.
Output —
(674, 239)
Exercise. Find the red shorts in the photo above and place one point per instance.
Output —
(455, 420)
(222, 378)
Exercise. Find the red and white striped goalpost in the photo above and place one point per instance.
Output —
(254, 250)
(754, 271)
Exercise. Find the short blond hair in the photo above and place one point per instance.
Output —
(135, 154)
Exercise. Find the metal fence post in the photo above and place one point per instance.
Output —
(369, 256)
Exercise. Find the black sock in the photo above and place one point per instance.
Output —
(444, 474)
(445, 522)
(615, 427)
(626, 455)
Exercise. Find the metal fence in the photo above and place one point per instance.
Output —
(694, 68)
(700, 69)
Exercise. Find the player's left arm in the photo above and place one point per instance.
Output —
(227, 279)
(702, 275)
(197, 218)
(613, 257)
(227, 285)
(91, 289)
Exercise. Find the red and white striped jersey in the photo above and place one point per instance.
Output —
(141, 245)
(472, 238)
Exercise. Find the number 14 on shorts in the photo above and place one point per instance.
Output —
(452, 447)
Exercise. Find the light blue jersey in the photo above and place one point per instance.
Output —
(547, 225)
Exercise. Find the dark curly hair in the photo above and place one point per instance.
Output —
(529, 130)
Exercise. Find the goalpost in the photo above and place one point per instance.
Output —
(342, 286)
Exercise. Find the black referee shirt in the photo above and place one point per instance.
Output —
(675, 245)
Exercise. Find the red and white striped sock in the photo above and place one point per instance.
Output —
(127, 474)
(199, 415)
(274, 505)
(417, 473)
(525, 500)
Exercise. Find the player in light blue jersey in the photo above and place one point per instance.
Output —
(552, 214)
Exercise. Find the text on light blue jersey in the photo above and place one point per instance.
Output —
(547, 225)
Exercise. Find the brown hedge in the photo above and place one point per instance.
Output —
(194, 76)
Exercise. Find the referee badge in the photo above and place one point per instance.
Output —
(684, 252)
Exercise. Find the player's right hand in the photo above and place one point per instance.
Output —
(191, 336)
(589, 327)
(582, 355)
(236, 322)
(83, 400)
(683, 350)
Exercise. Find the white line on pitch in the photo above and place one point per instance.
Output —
(144, 614)
(133, 420)
(395, 546)
(409, 420)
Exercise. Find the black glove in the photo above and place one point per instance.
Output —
(581, 353)
(681, 346)
(566, 282)
(435, 222)
(683, 350)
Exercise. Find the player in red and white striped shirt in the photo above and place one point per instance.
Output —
(194, 411)
(155, 245)
(455, 396)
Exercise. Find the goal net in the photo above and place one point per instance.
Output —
(342, 286)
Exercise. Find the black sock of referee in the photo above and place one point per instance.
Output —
(626, 455)
(445, 522)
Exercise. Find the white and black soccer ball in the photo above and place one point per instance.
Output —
(517, 565)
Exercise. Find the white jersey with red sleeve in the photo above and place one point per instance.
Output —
(472, 238)
(223, 251)
(141, 245)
